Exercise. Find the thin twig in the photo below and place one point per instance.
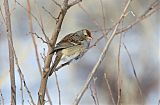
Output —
(96, 95)
(92, 94)
(41, 24)
(11, 54)
(2, 98)
(152, 9)
(104, 20)
(119, 70)
(74, 2)
(49, 13)
(22, 77)
(22, 90)
(57, 3)
(29, 93)
(94, 20)
(35, 18)
(58, 88)
(90, 76)
(109, 88)
(2, 15)
(135, 74)
(39, 37)
(32, 35)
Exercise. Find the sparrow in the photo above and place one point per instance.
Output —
(72, 46)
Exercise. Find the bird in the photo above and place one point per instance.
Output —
(73, 46)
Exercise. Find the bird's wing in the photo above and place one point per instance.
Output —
(68, 41)
(61, 46)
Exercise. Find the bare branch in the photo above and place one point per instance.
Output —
(14, 54)
(57, 28)
(35, 18)
(33, 38)
(92, 94)
(42, 27)
(104, 22)
(90, 76)
(118, 74)
(109, 88)
(57, 3)
(39, 37)
(2, 15)
(58, 88)
(152, 9)
(94, 91)
(21, 89)
(135, 74)
(49, 13)
(34, 43)
(2, 98)
(11, 53)
(74, 3)
(22, 78)
(94, 20)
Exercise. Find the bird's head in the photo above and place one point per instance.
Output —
(86, 34)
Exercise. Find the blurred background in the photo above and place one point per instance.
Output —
(142, 42)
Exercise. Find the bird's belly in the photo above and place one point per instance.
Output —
(72, 52)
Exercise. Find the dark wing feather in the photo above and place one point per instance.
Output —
(68, 41)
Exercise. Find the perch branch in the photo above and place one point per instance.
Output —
(52, 41)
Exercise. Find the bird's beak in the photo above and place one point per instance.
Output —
(89, 37)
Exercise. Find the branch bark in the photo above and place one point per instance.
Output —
(11, 53)
(41, 94)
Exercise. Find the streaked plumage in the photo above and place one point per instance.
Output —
(72, 46)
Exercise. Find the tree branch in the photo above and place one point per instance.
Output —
(34, 43)
(90, 76)
(11, 53)
(57, 28)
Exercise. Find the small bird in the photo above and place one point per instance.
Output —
(72, 46)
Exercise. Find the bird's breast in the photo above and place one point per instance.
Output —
(72, 52)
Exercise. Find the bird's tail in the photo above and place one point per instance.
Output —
(57, 60)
